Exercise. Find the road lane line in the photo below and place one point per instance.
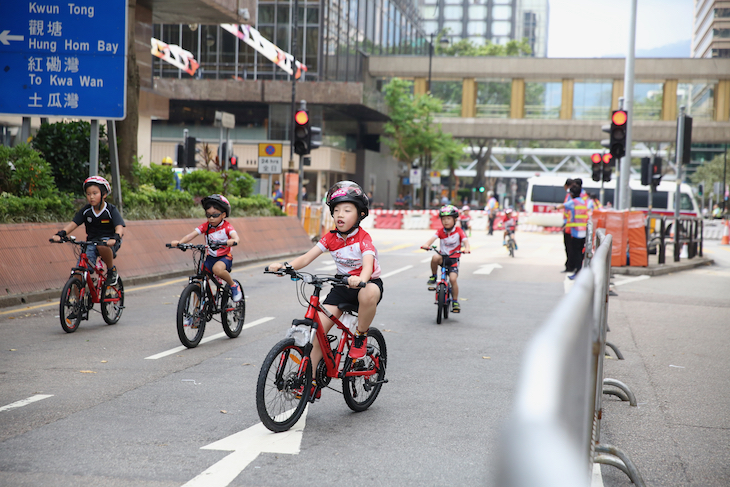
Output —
(628, 280)
(206, 340)
(396, 247)
(396, 271)
(25, 402)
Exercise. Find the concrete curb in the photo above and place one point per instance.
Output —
(660, 270)
(53, 294)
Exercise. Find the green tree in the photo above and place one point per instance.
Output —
(451, 152)
(24, 173)
(711, 172)
(66, 147)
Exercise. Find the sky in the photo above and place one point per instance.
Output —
(600, 28)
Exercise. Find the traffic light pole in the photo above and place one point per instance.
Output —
(295, 34)
(677, 194)
(625, 168)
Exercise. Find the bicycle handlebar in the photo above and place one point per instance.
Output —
(72, 239)
(442, 254)
(185, 246)
(337, 280)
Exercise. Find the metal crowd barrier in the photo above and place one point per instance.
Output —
(552, 438)
(690, 234)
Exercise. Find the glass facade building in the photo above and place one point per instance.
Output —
(711, 29)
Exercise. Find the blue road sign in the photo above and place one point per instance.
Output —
(63, 58)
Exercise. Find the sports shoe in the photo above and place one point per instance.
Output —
(111, 276)
(315, 393)
(455, 308)
(359, 345)
(237, 294)
(431, 280)
(504, 243)
(573, 276)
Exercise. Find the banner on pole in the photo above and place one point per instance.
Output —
(268, 49)
(175, 55)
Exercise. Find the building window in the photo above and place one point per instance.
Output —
(501, 28)
(478, 27)
(477, 12)
(501, 13)
(453, 12)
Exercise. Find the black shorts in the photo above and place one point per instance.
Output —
(452, 263)
(348, 295)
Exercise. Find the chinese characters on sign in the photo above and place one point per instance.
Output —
(63, 59)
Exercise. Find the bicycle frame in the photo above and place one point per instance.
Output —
(332, 362)
(86, 270)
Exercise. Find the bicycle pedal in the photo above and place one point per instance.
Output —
(431, 288)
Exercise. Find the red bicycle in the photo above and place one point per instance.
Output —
(284, 383)
(86, 286)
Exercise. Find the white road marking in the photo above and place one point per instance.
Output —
(487, 269)
(597, 478)
(246, 445)
(629, 280)
(206, 340)
(426, 260)
(25, 402)
(328, 267)
(396, 271)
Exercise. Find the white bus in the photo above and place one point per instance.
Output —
(543, 193)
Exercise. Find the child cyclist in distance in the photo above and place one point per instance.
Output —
(352, 250)
(217, 231)
(465, 219)
(103, 223)
(510, 224)
(451, 238)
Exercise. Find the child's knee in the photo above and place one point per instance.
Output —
(369, 296)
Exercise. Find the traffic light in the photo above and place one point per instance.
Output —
(700, 190)
(646, 171)
(233, 162)
(618, 134)
(180, 161)
(190, 143)
(302, 133)
(656, 171)
(481, 189)
(687, 141)
(316, 138)
(597, 161)
(607, 167)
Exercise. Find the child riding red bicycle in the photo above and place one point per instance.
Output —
(355, 255)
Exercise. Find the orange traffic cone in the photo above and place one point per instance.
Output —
(726, 234)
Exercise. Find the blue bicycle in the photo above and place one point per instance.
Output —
(442, 286)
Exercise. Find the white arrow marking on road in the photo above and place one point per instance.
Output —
(5, 37)
(206, 340)
(246, 445)
(25, 402)
(487, 269)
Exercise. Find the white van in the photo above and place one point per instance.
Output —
(543, 193)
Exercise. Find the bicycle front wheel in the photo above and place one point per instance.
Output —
(359, 391)
(440, 301)
(112, 302)
(511, 246)
(71, 307)
(283, 386)
(190, 316)
(447, 301)
(232, 313)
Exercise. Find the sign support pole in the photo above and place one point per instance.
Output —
(677, 194)
(25, 130)
(625, 167)
(94, 148)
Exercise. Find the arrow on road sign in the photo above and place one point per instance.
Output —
(487, 269)
(5, 37)
(246, 445)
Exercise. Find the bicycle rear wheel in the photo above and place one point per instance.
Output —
(440, 301)
(190, 316)
(360, 392)
(112, 302)
(283, 386)
(71, 306)
(232, 313)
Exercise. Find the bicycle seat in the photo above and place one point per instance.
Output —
(347, 307)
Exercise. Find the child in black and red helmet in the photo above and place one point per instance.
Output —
(355, 255)
(218, 231)
(103, 223)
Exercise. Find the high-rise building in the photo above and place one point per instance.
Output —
(495, 21)
(711, 29)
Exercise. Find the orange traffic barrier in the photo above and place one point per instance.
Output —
(390, 220)
(636, 233)
(726, 234)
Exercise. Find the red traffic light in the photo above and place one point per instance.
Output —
(619, 117)
(607, 158)
(234, 161)
(596, 158)
(301, 117)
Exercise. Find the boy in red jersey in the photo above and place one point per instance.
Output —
(217, 231)
(451, 238)
(355, 255)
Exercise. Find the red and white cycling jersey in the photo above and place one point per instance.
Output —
(451, 242)
(217, 235)
(348, 253)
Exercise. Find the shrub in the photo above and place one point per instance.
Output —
(202, 183)
(161, 177)
(66, 147)
(237, 183)
(24, 173)
(147, 203)
(22, 209)
(257, 205)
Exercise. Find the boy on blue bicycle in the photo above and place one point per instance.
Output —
(451, 239)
